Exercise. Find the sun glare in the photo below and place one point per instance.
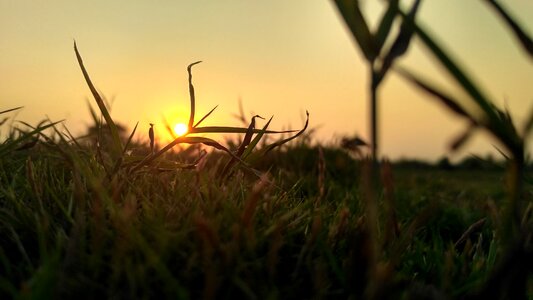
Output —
(180, 129)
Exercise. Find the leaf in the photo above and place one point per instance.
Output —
(11, 109)
(227, 129)
(246, 140)
(529, 124)
(205, 117)
(281, 142)
(355, 20)
(520, 34)
(13, 145)
(256, 140)
(459, 75)
(191, 94)
(386, 24)
(463, 138)
(448, 101)
(117, 143)
(401, 44)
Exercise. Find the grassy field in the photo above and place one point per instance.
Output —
(302, 231)
(107, 216)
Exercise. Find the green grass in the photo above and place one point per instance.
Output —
(67, 232)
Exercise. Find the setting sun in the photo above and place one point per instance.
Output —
(180, 129)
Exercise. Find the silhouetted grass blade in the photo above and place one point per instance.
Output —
(521, 35)
(191, 94)
(117, 143)
(386, 24)
(355, 20)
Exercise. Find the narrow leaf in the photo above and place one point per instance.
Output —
(461, 140)
(205, 117)
(459, 75)
(386, 24)
(256, 140)
(112, 127)
(448, 101)
(401, 44)
(521, 35)
(11, 109)
(281, 142)
(225, 129)
(355, 20)
(191, 94)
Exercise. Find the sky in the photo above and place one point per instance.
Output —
(278, 57)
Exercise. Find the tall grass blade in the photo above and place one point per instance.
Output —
(355, 20)
(281, 142)
(205, 117)
(191, 94)
(401, 44)
(11, 109)
(228, 129)
(453, 68)
(386, 24)
(450, 102)
(256, 140)
(521, 35)
(117, 143)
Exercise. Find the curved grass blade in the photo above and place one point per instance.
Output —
(205, 117)
(281, 142)
(191, 94)
(355, 20)
(521, 35)
(117, 143)
(14, 144)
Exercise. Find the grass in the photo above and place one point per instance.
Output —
(107, 217)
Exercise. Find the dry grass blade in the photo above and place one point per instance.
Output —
(205, 117)
(520, 34)
(191, 94)
(355, 20)
(117, 144)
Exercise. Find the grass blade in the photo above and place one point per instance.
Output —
(256, 140)
(11, 109)
(401, 44)
(386, 24)
(117, 143)
(521, 35)
(205, 117)
(459, 75)
(191, 94)
(448, 101)
(281, 142)
(228, 129)
(355, 20)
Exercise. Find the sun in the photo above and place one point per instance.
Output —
(180, 129)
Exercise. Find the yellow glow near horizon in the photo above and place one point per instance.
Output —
(180, 129)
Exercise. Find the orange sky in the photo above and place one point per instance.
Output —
(280, 57)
